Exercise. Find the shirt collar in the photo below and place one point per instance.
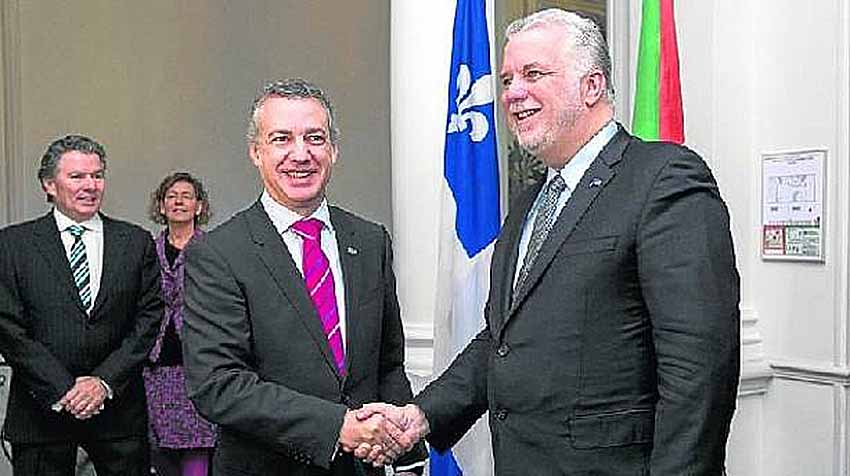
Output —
(574, 170)
(63, 221)
(283, 218)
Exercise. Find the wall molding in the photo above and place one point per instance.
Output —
(811, 372)
(840, 157)
(419, 339)
(10, 109)
(755, 371)
(619, 36)
(841, 449)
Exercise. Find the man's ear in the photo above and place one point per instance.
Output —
(334, 153)
(49, 187)
(254, 154)
(593, 88)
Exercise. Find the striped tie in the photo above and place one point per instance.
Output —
(80, 265)
(320, 285)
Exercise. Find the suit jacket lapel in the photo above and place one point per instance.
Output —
(272, 251)
(350, 247)
(597, 176)
(49, 244)
(114, 243)
(504, 263)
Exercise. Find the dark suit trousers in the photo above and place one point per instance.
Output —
(118, 457)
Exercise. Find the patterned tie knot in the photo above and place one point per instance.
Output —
(310, 229)
(76, 230)
(556, 185)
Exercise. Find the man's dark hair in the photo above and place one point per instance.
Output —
(69, 143)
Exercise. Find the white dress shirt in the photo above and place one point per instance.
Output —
(93, 241)
(283, 218)
(572, 173)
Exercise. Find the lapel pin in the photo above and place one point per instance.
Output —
(351, 250)
(595, 182)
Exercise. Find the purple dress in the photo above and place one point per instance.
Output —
(173, 421)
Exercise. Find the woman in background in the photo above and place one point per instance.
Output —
(178, 434)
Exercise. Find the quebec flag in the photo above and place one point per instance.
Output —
(470, 219)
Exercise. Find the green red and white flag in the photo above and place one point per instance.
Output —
(658, 93)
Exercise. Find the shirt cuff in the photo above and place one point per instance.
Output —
(416, 467)
(109, 393)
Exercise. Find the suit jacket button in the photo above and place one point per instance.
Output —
(503, 350)
(501, 414)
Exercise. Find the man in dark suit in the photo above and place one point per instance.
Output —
(612, 329)
(79, 304)
(291, 317)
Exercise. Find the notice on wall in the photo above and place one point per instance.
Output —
(792, 205)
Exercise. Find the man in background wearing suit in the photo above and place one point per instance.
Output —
(612, 329)
(79, 305)
(291, 316)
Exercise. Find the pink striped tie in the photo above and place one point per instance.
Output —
(320, 284)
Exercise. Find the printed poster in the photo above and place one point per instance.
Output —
(792, 205)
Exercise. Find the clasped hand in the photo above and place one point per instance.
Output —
(85, 398)
(378, 433)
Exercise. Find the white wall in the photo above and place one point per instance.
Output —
(763, 76)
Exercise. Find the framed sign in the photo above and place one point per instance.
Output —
(792, 216)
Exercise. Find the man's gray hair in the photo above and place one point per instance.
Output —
(583, 36)
(293, 88)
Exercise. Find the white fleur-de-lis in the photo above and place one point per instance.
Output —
(480, 93)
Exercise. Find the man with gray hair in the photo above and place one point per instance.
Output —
(612, 328)
(79, 308)
(291, 317)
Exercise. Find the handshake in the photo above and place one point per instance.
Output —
(378, 433)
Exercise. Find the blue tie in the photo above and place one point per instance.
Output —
(80, 265)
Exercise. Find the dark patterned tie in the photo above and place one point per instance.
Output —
(80, 265)
(542, 224)
(320, 285)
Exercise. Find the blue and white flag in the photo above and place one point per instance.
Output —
(470, 218)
